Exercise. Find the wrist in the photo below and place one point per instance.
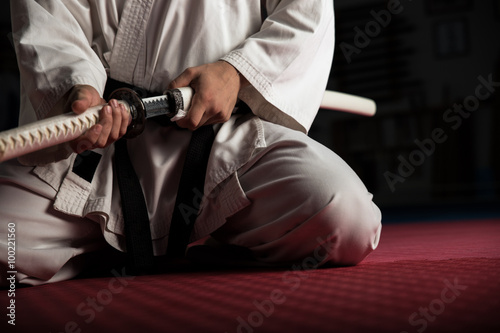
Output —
(242, 79)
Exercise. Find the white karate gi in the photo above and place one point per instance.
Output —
(269, 187)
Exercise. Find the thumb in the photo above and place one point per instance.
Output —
(83, 97)
(80, 105)
(184, 79)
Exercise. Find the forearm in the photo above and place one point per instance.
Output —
(290, 55)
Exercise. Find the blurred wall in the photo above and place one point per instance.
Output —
(421, 61)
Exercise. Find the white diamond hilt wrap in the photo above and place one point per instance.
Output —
(46, 133)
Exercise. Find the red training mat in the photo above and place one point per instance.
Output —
(424, 277)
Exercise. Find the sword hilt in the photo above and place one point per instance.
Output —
(69, 126)
(136, 108)
(46, 133)
(63, 128)
(140, 109)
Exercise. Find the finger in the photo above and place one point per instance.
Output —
(193, 118)
(126, 120)
(215, 119)
(106, 121)
(87, 140)
(114, 134)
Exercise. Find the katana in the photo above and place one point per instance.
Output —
(69, 126)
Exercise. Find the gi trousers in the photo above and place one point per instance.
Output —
(292, 199)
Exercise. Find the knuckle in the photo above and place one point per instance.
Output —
(203, 96)
(190, 71)
(188, 123)
(219, 117)
(101, 143)
(208, 98)
(211, 113)
(122, 132)
(191, 124)
(117, 115)
(113, 137)
(104, 115)
(82, 145)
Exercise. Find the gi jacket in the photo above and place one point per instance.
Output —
(283, 48)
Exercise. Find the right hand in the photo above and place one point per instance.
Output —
(216, 87)
(113, 118)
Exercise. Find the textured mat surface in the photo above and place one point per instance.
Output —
(425, 277)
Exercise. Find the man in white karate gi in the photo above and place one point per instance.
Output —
(269, 187)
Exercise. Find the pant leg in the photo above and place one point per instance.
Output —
(306, 202)
(48, 244)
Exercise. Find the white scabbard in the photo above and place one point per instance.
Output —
(334, 100)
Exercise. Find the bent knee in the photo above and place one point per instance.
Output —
(341, 233)
(352, 223)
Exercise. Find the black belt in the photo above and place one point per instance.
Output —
(192, 183)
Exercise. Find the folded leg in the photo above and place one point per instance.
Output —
(48, 244)
(306, 203)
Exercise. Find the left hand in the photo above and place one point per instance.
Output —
(216, 86)
(113, 119)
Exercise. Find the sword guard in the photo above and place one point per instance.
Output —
(136, 108)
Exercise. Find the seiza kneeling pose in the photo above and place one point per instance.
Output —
(268, 187)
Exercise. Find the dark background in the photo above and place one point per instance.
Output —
(427, 58)
(415, 66)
